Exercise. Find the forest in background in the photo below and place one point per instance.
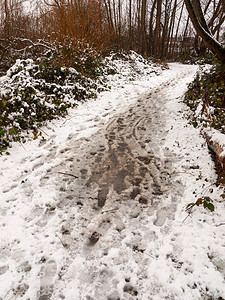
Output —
(154, 28)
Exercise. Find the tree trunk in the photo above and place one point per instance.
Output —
(223, 5)
(109, 15)
(6, 21)
(150, 41)
(165, 31)
(203, 31)
(176, 35)
(171, 29)
(143, 28)
(130, 24)
(199, 14)
(218, 11)
(157, 33)
(218, 151)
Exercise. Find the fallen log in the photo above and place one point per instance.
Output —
(217, 149)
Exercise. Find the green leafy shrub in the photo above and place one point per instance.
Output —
(206, 202)
(206, 98)
(36, 92)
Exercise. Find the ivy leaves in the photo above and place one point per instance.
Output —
(206, 202)
(36, 92)
(208, 89)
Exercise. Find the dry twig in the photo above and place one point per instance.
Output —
(68, 174)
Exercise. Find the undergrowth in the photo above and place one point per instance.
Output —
(206, 98)
(34, 92)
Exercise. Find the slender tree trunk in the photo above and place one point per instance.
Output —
(6, 23)
(182, 48)
(218, 26)
(109, 15)
(223, 5)
(130, 23)
(115, 18)
(6, 30)
(218, 11)
(143, 28)
(207, 6)
(176, 35)
(119, 20)
(171, 28)
(139, 22)
(151, 37)
(157, 33)
(165, 29)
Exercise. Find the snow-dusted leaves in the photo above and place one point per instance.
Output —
(34, 93)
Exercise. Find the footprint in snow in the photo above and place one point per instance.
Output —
(162, 215)
(48, 272)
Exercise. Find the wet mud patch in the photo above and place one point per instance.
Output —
(123, 186)
(125, 162)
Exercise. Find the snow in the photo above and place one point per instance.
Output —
(49, 219)
(217, 137)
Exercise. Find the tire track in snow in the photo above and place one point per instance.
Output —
(124, 197)
(126, 191)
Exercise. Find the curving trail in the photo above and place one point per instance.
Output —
(100, 218)
(125, 191)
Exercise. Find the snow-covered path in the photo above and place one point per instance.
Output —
(96, 211)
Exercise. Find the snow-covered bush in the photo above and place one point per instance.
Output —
(33, 92)
(131, 65)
